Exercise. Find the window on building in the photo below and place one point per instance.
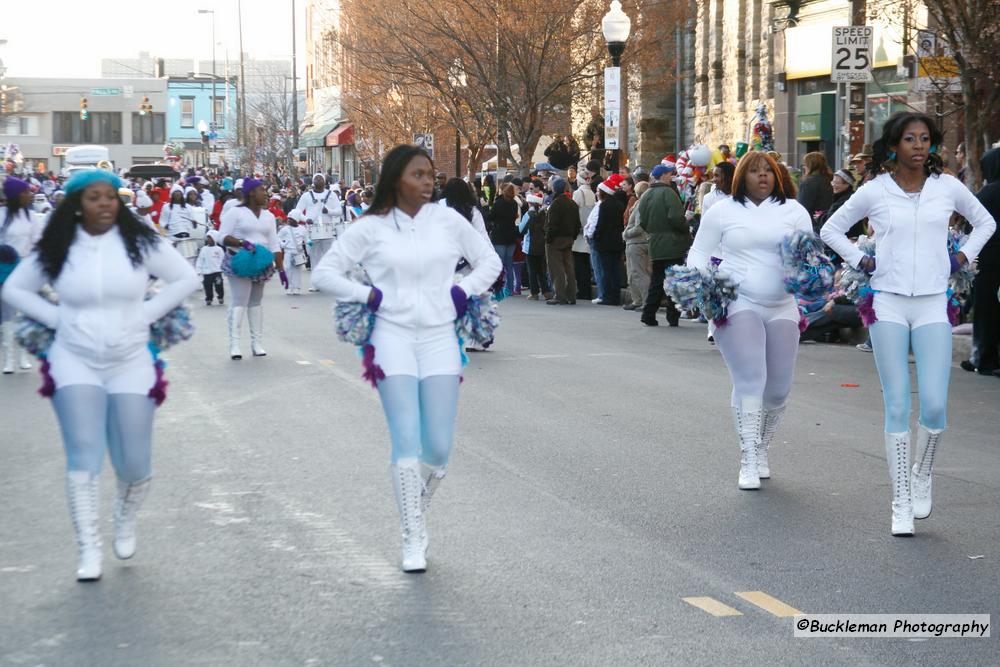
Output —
(149, 128)
(187, 112)
(19, 126)
(101, 127)
(219, 113)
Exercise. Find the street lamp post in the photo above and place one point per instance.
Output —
(211, 123)
(616, 26)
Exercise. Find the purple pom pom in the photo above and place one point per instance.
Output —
(866, 311)
(373, 372)
(159, 390)
(48, 388)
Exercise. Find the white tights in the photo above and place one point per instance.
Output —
(760, 356)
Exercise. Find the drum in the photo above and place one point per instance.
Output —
(188, 248)
(323, 230)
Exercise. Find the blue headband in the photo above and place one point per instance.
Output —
(87, 178)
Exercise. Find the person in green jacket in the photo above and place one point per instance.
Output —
(661, 215)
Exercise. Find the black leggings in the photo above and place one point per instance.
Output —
(213, 280)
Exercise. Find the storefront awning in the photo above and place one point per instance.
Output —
(317, 135)
(342, 136)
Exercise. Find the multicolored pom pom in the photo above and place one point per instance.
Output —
(808, 270)
(256, 266)
(710, 292)
(479, 324)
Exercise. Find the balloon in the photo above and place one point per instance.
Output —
(699, 155)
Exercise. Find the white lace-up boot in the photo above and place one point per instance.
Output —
(235, 330)
(897, 453)
(409, 487)
(432, 476)
(255, 317)
(927, 444)
(24, 360)
(747, 418)
(81, 490)
(770, 421)
(130, 497)
(7, 345)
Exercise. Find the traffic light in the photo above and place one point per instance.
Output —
(84, 114)
(145, 107)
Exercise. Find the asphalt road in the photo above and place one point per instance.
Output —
(592, 490)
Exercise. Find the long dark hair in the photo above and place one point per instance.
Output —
(53, 248)
(892, 134)
(393, 166)
(458, 195)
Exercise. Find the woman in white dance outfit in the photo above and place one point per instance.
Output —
(760, 339)
(99, 259)
(908, 205)
(409, 248)
(19, 230)
(245, 226)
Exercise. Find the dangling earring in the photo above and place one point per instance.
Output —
(892, 155)
(77, 214)
(933, 150)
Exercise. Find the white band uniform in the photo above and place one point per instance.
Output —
(412, 261)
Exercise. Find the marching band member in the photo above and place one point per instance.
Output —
(99, 259)
(292, 237)
(19, 230)
(760, 339)
(409, 248)
(243, 227)
(322, 213)
(909, 205)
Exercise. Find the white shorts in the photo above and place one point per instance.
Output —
(134, 375)
(911, 311)
(421, 353)
(785, 311)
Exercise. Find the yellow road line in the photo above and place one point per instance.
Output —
(712, 606)
(769, 604)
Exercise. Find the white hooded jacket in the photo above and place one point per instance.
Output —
(911, 235)
(102, 313)
(412, 261)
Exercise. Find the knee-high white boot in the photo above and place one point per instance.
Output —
(897, 454)
(408, 487)
(81, 490)
(7, 345)
(130, 497)
(769, 423)
(431, 477)
(747, 418)
(927, 444)
(235, 328)
(24, 359)
(255, 317)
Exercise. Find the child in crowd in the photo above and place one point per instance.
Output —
(209, 267)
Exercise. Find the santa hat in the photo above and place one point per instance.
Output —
(176, 187)
(611, 183)
(535, 199)
(669, 162)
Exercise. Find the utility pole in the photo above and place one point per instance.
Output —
(855, 118)
(243, 91)
(295, 100)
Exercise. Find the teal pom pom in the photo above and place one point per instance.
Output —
(256, 265)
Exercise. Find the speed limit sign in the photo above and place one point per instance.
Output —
(852, 54)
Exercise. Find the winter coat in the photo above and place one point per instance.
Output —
(610, 225)
(989, 196)
(562, 219)
(661, 215)
(816, 195)
(503, 221)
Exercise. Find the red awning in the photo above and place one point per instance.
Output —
(342, 136)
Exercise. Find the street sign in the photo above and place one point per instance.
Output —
(612, 107)
(425, 141)
(105, 92)
(128, 91)
(852, 54)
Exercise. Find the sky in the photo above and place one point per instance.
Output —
(68, 38)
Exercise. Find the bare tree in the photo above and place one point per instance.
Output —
(970, 32)
(270, 122)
